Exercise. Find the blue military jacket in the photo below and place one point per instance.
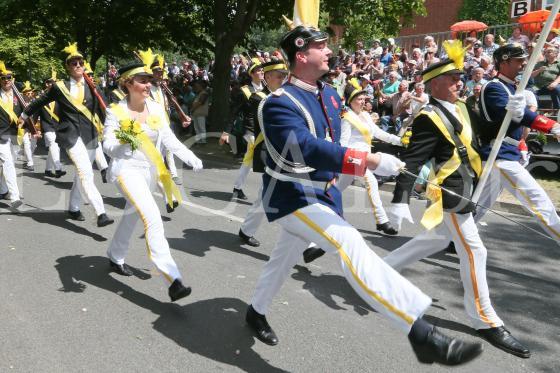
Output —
(493, 100)
(287, 130)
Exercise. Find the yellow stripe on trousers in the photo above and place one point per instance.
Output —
(144, 221)
(408, 319)
(532, 206)
(474, 284)
(368, 189)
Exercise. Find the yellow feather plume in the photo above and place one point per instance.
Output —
(354, 82)
(455, 52)
(27, 86)
(161, 61)
(87, 67)
(147, 57)
(3, 69)
(71, 49)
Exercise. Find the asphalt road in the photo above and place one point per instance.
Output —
(62, 311)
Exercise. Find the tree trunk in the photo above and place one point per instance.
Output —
(220, 87)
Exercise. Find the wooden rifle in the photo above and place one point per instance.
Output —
(29, 121)
(183, 118)
(91, 85)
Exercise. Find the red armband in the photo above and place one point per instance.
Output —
(354, 162)
(522, 145)
(542, 124)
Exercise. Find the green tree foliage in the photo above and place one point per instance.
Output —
(495, 12)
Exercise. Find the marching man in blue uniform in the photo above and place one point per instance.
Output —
(301, 128)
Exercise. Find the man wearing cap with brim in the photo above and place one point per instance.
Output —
(48, 117)
(301, 130)
(249, 123)
(28, 142)
(80, 125)
(10, 109)
(442, 132)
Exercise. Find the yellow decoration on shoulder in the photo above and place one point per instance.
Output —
(154, 122)
(405, 139)
(455, 52)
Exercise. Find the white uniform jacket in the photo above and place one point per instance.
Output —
(123, 157)
(355, 138)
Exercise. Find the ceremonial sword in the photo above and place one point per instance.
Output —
(406, 172)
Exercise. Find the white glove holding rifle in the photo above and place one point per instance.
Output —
(383, 164)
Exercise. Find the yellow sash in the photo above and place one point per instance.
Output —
(154, 156)
(355, 121)
(246, 91)
(94, 118)
(50, 110)
(434, 213)
(120, 94)
(9, 110)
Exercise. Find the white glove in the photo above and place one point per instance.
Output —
(517, 104)
(525, 156)
(396, 212)
(388, 165)
(194, 162)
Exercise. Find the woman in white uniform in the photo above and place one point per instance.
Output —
(358, 129)
(137, 172)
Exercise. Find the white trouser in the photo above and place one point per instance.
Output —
(372, 189)
(247, 161)
(53, 158)
(170, 159)
(100, 159)
(29, 145)
(137, 186)
(9, 175)
(383, 288)
(200, 128)
(512, 176)
(254, 217)
(461, 229)
(82, 158)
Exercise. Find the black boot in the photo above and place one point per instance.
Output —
(238, 194)
(439, 348)
(177, 290)
(260, 326)
(121, 269)
(103, 220)
(387, 228)
(249, 240)
(501, 337)
(312, 253)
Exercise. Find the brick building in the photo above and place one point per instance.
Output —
(443, 13)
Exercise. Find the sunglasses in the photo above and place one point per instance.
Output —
(7, 77)
(76, 63)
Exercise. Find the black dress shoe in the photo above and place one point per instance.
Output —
(103, 220)
(238, 194)
(441, 349)
(249, 240)
(76, 215)
(29, 167)
(49, 173)
(501, 337)
(312, 253)
(387, 228)
(104, 175)
(177, 290)
(4, 195)
(172, 208)
(260, 326)
(15, 205)
(121, 269)
(59, 173)
(450, 249)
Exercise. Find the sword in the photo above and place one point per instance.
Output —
(406, 172)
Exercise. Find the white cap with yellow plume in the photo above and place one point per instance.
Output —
(27, 87)
(3, 70)
(453, 65)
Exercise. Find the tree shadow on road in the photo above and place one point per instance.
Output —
(59, 218)
(213, 328)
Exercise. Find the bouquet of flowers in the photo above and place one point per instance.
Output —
(128, 133)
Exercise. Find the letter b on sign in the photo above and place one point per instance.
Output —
(518, 8)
